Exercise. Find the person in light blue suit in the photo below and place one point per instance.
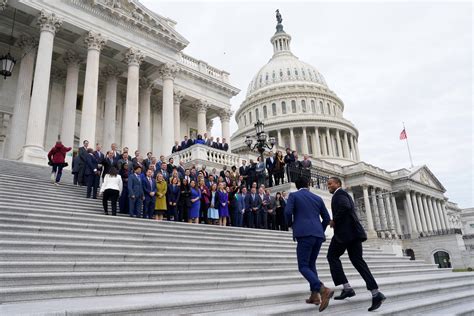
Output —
(304, 211)
(135, 192)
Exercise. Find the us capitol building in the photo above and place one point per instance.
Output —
(114, 71)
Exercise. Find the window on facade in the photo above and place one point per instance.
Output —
(79, 103)
(281, 73)
(274, 109)
(283, 107)
(250, 117)
(265, 112)
(245, 120)
(320, 108)
(303, 106)
(293, 106)
(313, 106)
(288, 72)
(256, 115)
(329, 109)
(273, 75)
(266, 77)
(296, 72)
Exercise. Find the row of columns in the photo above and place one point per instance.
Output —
(325, 142)
(425, 213)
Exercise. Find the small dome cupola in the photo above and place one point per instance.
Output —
(281, 40)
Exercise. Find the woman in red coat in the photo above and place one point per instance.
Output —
(56, 157)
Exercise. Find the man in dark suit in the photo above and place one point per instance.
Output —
(148, 160)
(109, 162)
(82, 162)
(149, 190)
(218, 144)
(189, 143)
(290, 162)
(253, 203)
(99, 156)
(135, 192)
(304, 211)
(225, 146)
(91, 172)
(176, 147)
(116, 154)
(243, 171)
(348, 235)
(269, 165)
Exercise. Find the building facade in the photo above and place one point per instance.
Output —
(402, 210)
(106, 71)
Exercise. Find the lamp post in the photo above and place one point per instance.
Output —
(261, 140)
(7, 62)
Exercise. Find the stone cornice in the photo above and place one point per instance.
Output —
(229, 90)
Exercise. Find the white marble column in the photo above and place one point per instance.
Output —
(421, 209)
(145, 130)
(398, 227)
(72, 61)
(436, 214)
(324, 146)
(280, 140)
(95, 42)
(429, 216)
(356, 147)
(368, 211)
(444, 216)
(55, 108)
(201, 108)
(178, 97)
(416, 211)
(411, 215)
(390, 218)
(329, 142)
(318, 142)
(157, 130)
(339, 144)
(133, 58)
(225, 116)
(353, 152)
(111, 74)
(433, 215)
(304, 142)
(381, 208)
(168, 73)
(346, 147)
(375, 209)
(292, 139)
(209, 125)
(19, 121)
(33, 151)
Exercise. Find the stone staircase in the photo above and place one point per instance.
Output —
(59, 255)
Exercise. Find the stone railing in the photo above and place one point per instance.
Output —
(203, 67)
(200, 155)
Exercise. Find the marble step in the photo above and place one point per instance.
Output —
(230, 300)
(85, 266)
(405, 299)
(48, 291)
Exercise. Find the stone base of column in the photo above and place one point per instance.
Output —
(371, 234)
(35, 155)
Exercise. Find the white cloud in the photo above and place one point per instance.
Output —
(389, 62)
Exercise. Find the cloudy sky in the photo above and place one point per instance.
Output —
(389, 62)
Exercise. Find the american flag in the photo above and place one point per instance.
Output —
(403, 135)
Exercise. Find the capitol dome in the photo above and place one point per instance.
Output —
(292, 99)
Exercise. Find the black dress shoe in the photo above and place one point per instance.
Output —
(345, 294)
(377, 300)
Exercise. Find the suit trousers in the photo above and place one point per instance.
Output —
(271, 218)
(149, 207)
(262, 219)
(252, 219)
(112, 195)
(307, 252)
(58, 171)
(354, 250)
(135, 208)
(91, 185)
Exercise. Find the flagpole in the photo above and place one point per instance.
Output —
(408, 146)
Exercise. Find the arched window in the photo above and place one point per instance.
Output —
(283, 107)
(266, 77)
(257, 117)
(313, 106)
(442, 259)
(293, 106)
(245, 120)
(321, 108)
(303, 106)
(265, 112)
(250, 117)
(288, 72)
(296, 72)
(274, 109)
(329, 109)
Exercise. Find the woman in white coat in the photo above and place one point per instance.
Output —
(111, 189)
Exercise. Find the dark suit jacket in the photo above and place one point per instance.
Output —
(347, 227)
(252, 203)
(269, 164)
(304, 211)
(225, 147)
(175, 149)
(172, 194)
(147, 188)
(135, 187)
(183, 145)
(82, 156)
(189, 143)
(91, 165)
(107, 165)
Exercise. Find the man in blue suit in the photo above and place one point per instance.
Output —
(135, 192)
(303, 212)
(253, 203)
(348, 235)
(91, 173)
(149, 190)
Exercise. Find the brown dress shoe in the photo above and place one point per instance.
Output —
(315, 298)
(326, 294)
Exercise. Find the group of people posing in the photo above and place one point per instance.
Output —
(200, 139)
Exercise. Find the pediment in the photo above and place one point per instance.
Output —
(424, 176)
(140, 16)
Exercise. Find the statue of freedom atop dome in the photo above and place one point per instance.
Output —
(278, 16)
